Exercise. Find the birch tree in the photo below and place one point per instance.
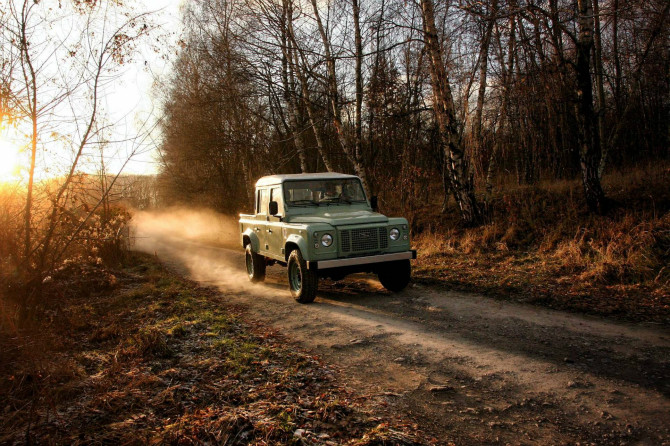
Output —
(351, 150)
(443, 102)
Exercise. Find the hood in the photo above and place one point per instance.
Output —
(335, 218)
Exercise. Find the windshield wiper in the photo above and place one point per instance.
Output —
(336, 199)
(301, 202)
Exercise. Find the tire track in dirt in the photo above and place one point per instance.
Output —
(468, 368)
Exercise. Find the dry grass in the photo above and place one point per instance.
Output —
(154, 358)
(10, 213)
(539, 245)
(78, 233)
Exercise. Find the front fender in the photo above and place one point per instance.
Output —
(301, 243)
(255, 243)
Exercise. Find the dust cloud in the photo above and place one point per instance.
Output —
(199, 243)
(194, 225)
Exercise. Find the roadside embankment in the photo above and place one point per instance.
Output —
(538, 245)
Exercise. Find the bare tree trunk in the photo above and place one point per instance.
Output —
(607, 144)
(53, 220)
(311, 113)
(413, 88)
(349, 151)
(31, 179)
(589, 140)
(55, 210)
(371, 110)
(617, 58)
(507, 77)
(456, 164)
(598, 63)
(483, 67)
(30, 79)
(289, 87)
(358, 41)
(104, 187)
(306, 96)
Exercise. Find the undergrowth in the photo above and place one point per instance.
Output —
(154, 358)
(539, 245)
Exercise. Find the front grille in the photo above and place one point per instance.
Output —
(362, 240)
(345, 241)
(383, 238)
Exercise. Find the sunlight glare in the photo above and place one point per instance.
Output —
(10, 161)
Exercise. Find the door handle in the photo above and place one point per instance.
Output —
(270, 231)
(256, 229)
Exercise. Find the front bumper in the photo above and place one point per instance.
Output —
(354, 261)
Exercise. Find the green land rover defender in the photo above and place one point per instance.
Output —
(323, 225)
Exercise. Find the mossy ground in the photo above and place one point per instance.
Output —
(155, 358)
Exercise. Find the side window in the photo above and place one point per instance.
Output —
(275, 195)
(258, 201)
(263, 202)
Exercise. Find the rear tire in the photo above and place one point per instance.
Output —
(395, 275)
(302, 282)
(255, 264)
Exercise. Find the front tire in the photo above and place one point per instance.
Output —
(396, 275)
(255, 264)
(302, 282)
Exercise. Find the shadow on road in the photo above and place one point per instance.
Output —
(612, 357)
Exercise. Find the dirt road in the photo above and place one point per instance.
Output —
(467, 368)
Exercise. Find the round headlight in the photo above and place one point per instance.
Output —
(394, 234)
(326, 240)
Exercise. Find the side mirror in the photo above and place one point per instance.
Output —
(374, 202)
(274, 208)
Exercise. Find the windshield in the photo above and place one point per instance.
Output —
(318, 192)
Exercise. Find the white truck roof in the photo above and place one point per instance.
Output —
(278, 179)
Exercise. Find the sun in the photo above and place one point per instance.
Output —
(10, 160)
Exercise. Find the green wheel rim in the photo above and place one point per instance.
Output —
(295, 276)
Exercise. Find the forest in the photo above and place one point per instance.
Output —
(480, 94)
(504, 131)
(527, 142)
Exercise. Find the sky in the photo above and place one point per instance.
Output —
(129, 102)
(126, 103)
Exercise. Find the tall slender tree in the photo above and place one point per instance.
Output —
(352, 151)
(456, 163)
(589, 137)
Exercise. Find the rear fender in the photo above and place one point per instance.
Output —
(253, 239)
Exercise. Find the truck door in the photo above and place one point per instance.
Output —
(274, 237)
(261, 223)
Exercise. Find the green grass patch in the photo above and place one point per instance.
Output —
(161, 360)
